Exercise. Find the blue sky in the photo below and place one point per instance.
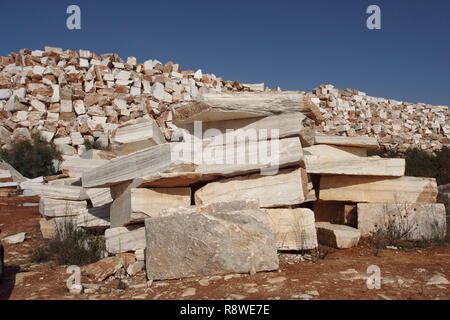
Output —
(296, 45)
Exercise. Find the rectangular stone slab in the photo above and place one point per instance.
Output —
(290, 154)
(337, 236)
(294, 229)
(370, 166)
(219, 107)
(75, 167)
(288, 187)
(5, 176)
(160, 158)
(334, 152)
(363, 142)
(254, 129)
(378, 189)
(52, 228)
(411, 221)
(61, 208)
(184, 245)
(136, 205)
(124, 239)
(61, 192)
(287, 152)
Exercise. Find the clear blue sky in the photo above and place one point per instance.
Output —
(296, 45)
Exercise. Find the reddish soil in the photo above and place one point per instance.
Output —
(341, 274)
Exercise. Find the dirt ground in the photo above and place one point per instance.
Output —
(340, 274)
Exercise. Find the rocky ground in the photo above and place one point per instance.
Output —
(413, 273)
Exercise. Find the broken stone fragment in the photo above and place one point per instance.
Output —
(134, 137)
(99, 196)
(14, 239)
(124, 239)
(337, 236)
(135, 205)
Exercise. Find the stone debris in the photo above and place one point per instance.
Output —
(437, 280)
(135, 267)
(14, 239)
(124, 239)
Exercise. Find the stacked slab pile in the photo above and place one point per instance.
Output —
(371, 193)
(8, 187)
(176, 185)
(10, 192)
(64, 202)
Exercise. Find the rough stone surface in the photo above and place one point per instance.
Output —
(135, 205)
(288, 187)
(61, 208)
(378, 189)
(184, 245)
(124, 239)
(410, 221)
(294, 229)
(14, 239)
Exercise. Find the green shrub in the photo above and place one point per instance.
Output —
(93, 145)
(71, 246)
(32, 158)
(422, 164)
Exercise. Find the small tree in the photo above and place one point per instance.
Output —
(32, 158)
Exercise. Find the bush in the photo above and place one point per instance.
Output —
(423, 164)
(93, 145)
(32, 158)
(71, 246)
